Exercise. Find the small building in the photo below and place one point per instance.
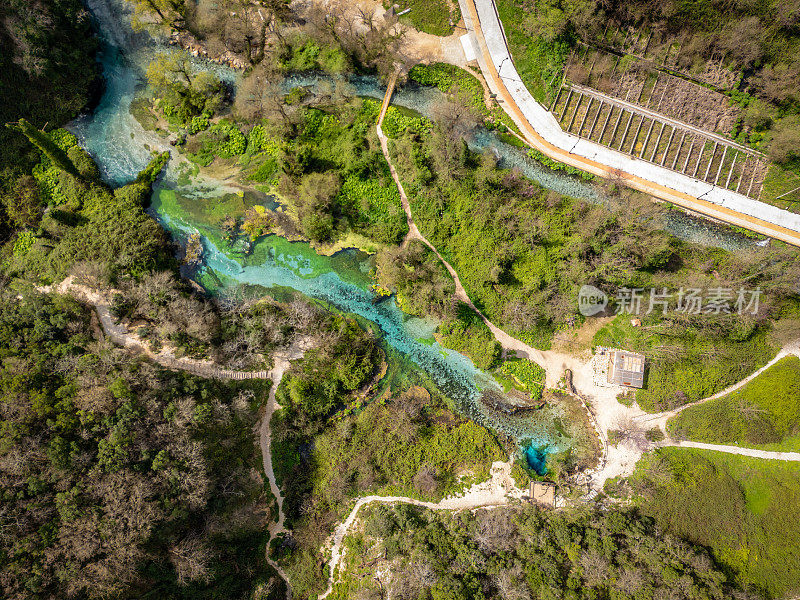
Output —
(543, 492)
(625, 368)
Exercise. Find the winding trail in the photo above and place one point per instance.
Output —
(601, 402)
(554, 363)
(118, 334)
(497, 491)
(506, 341)
(660, 419)
(282, 362)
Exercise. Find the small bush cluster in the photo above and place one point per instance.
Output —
(395, 123)
(304, 54)
(527, 373)
(222, 139)
(47, 174)
(198, 123)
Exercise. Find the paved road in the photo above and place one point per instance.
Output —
(543, 133)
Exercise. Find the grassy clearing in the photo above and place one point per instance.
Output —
(743, 509)
(437, 17)
(687, 361)
(765, 411)
(781, 187)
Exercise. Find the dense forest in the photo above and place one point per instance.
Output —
(522, 553)
(121, 479)
(47, 75)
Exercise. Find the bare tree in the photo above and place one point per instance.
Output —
(191, 558)
(511, 584)
(595, 567)
(261, 97)
(370, 41)
(631, 432)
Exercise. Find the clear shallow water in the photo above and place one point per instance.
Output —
(423, 100)
(536, 459)
(122, 148)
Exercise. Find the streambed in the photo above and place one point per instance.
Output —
(185, 205)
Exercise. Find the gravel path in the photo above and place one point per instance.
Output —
(119, 335)
(282, 362)
(497, 491)
(660, 419)
(787, 456)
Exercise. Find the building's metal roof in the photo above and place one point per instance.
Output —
(626, 368)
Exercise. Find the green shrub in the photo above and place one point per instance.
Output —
(87, 168)
(655, 434)
(23, 243)
(447, 78)
(305, 54)
(221, 140)
(559, 166)
(198, 123)
(259, 141)
(333, 61)
(265, 171)
(375, 208)
(526, 373)
(469, 335)
(397, 122)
